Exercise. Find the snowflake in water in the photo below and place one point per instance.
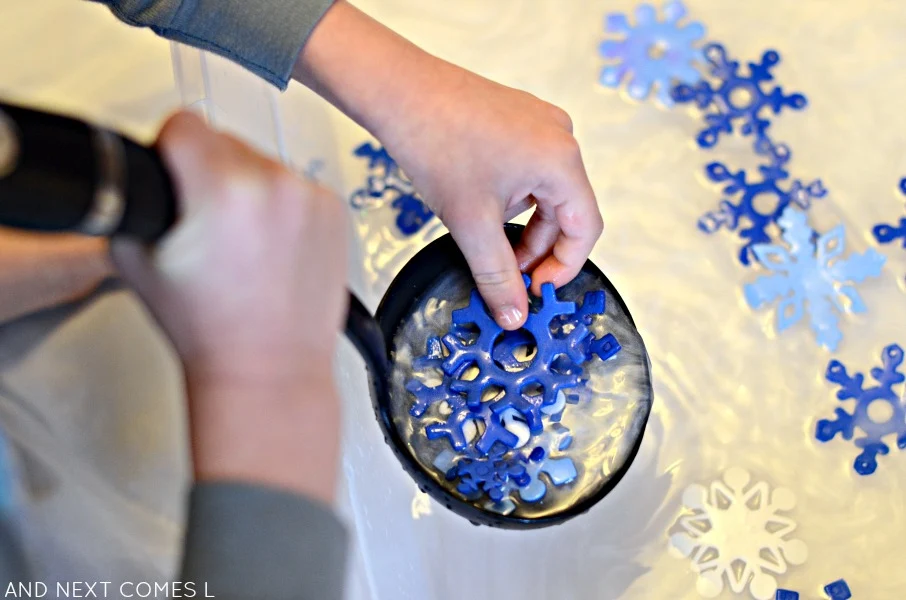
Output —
(736, 98)
(736, 532)
(885, 233)
(543, 458)
(421, 504)
(500, 395)
(387, 183)
(653, 52)
(836, 590)
(811, 272)
(475, 342)
(491, 474)
(501, 472)
(750, 209)
(890, 422)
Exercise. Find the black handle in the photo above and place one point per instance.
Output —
(61, 174)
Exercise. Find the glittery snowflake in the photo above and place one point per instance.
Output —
(735, 98)
(811, 272)
(653, 53)
(751, 210)
(874, 429)
(735, 533)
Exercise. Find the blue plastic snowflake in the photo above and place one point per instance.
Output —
(770, 186)
(492, 474)
(811, 271)
(853, 387)
(541, 375)
(489, 376)
(502, 471)
(542, 457)
(735, 98)
(885, 233)
(453, 428)
(387, 183)
(838, 590)
(653, 52)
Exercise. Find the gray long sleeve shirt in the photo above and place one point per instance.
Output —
(265, 36)
(251, 542)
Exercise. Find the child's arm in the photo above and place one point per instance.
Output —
(250, 287)
(39, 271)
(479, 153)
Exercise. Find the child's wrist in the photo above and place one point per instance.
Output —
(368, 71)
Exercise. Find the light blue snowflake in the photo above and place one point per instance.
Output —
(655, 52)
(811, 271)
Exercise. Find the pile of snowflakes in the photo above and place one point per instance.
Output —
(804, 272)
(809, 272)
(502, 394)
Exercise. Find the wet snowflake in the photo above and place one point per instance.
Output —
(387, 184)
(751, 209)
(491, 474)
(836, 590)
(653, 53)
(879, 411)
(421, 504)
(886, 233)
(811, 272)
(735, 533)
(547, 454)
(497, 397)
(736, 98)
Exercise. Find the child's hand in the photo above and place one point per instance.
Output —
(478, 152)
(251, 280)
(250, 286)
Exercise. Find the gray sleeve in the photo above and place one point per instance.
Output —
(249, 542)
(13, 566)
(263, 36)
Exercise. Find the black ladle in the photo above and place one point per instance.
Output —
(61, 174)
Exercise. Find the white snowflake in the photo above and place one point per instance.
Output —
(421, 504)
(736, 531)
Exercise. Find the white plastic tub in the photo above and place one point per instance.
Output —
(731, 396)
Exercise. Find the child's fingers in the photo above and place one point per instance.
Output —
(580, 225)
(493, 264)
(538, 239)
